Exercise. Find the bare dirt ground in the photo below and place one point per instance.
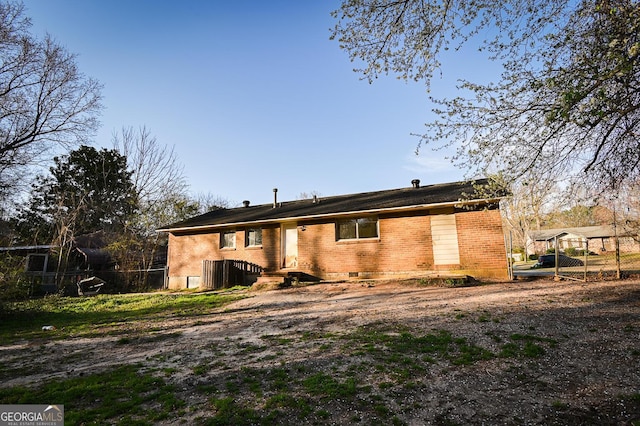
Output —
(588, 373)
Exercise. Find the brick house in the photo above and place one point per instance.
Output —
(443, 229)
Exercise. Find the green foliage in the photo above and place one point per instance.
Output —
(572, 251)
(13, 285)
(88, 191)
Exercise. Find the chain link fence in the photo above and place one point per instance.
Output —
(601, 258)
(584, 259)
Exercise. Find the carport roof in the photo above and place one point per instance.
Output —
(446, 194)
(587, 232)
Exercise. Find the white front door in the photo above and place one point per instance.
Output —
(290, 245)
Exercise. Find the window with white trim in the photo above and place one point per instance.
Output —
(355, 229)
(228, 239)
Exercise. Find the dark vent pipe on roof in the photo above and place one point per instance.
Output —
(416, 183)
(275, 197)
(246, 203)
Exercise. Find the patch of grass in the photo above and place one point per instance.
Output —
(228, 412)
(168, 371)
(525, 345)
(392, 348)
(323, 414)
(328, 387)
(103, 314)
(125, 395)
(484, 317)
(559, 405)
(249, 348)
(279, 378)
(381, 410)
(284, 400)
(200, 369)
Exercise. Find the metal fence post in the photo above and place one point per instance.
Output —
(557, 256)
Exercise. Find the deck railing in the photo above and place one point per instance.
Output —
(227, 273)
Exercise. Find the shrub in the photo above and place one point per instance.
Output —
(13, 285)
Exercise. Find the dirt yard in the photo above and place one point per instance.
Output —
(586, 369)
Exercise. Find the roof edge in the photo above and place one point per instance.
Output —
(327, 215)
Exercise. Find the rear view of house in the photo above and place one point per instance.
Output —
(444, 229)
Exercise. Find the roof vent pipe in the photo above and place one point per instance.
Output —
(275, 197)
(416, 183)
(246, 203)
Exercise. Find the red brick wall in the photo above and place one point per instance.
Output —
(481, 242)
(394, 251)
(187, 251)
(404, 247)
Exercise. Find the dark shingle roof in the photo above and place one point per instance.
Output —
(428, 195)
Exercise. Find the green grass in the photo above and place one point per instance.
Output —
(392, 348)
(526, 345)
(328, 387)
(126, 395)
(100, 315)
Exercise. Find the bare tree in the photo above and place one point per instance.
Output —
(524, 209)
(208, 201)
(308, 195)
(155, 167)
(159, 181)
(44, 99)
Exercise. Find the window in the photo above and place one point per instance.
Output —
(350, 229)
(37, 262)
(228, 239)
(253, 237)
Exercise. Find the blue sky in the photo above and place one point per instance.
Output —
(252, 94)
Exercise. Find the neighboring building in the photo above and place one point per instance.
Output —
(598, 239)
(444, 229)
(87, 255)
